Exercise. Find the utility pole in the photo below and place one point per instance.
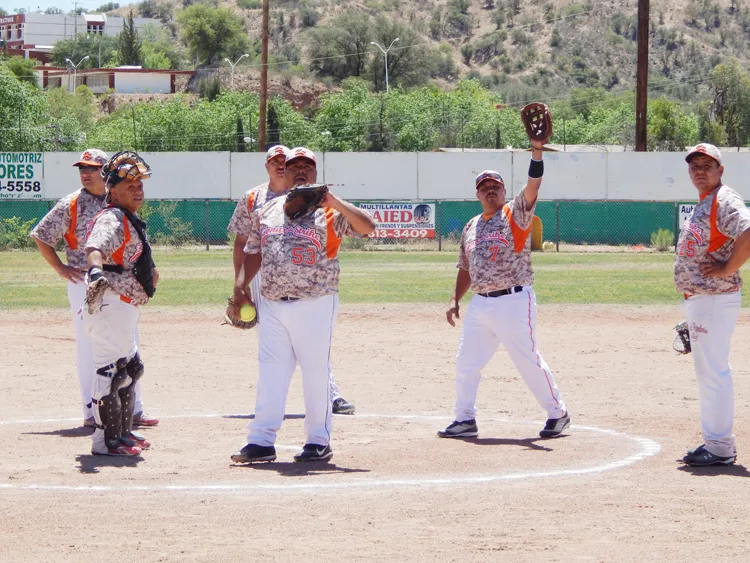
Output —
(263, 80)
(641, 93)
(75, 19)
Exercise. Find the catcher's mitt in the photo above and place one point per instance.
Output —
(233, 317)
(681, 342)
(97, 286)
(303, 199)
(538, 121)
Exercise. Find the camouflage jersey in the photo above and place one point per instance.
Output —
(497, 251)
(112, 234)
(299, 258)
(718, 219)
(252, 200)
(68, 220)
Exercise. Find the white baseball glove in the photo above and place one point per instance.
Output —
(97, 285)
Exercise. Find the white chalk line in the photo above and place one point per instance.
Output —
(647, 448)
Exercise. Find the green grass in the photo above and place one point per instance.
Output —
(195, 278)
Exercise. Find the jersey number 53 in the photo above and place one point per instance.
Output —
(303, 256)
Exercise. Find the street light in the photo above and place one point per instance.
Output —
(75, 69)
(234, 65)
(385, 52)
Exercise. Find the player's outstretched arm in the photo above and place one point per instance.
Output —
(463, 282)
(536, 167)
(537, 121)
(360, 220)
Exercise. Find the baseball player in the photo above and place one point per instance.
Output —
(68, 221)
(121, 277)
(713, 245)
(299, 267)
(495, 262)
(253, 200)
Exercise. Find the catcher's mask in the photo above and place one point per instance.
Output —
(125, 165)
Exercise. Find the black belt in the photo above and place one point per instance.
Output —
(285, 298)
(501, 292)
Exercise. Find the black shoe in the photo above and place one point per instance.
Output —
(555, 426)
(253, 453)
(465, 429)
(342, 406)
(314, 452)
(700, 456)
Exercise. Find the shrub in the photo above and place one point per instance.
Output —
(14, 234)
(249, 4)
(662, 239)
(164, 228)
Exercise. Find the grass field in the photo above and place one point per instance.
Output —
(205, 278)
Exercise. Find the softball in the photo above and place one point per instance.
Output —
(247, 313)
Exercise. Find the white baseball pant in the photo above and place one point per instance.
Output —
(509, 320)
(257, 298)
(84, 354)
(291, 333)
(711, 320)
(112, 333)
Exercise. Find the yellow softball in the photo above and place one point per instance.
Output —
(247, 313)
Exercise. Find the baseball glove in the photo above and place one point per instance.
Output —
(303, 199)
(97, 286)
(538, 121)
(681, 342)
(233, 317)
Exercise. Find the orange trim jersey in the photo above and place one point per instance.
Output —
(299, 258)
(496, 251)
(250, 202)
(112, 234)
(68, 221)
(717, 221)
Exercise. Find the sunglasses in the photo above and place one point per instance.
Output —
(89, 168)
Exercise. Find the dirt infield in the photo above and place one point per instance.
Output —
(611, 490)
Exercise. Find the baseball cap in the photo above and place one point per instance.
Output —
(275, 151)
(300, 152)
(488, 175)
(704, 148)
(92, 157)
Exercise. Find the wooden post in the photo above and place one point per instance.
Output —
(641, 94)
(263, 79)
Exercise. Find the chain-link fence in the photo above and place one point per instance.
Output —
(565, 225)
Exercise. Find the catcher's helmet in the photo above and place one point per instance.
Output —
(124, 165)
(422, 213)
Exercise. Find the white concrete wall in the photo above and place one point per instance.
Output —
(150, 82)
(427, 176)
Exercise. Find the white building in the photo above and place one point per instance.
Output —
(37, 31)
(127, 80)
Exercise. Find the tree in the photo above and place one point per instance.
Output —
(669, 128)
(158, 48)
(274, 128)
(731, 101)
(340, 49)
(23, 69)
(84, 45)
(208, 32)
(407, 60)
(130, 43)
(3, 12)
(108, 7)
(53, 10)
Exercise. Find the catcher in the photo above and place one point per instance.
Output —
(250, 202)
(296, 250)
(121, 277)
(495, 262)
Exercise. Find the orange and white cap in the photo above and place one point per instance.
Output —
(277, 150)
(301, 152)
(704, 148)
(92, 157)
(488, 175)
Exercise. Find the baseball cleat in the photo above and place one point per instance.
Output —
(464, 429)
(136, 439)
(142, 419)
(253, 453)
(314, 452)
(342, 406)
(121, 450)
(555, 426)
(701, 457)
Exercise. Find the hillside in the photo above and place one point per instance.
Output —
(522, 48)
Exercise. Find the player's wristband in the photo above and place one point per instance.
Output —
(95, 272)
(536, 168)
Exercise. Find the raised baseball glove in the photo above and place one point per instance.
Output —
(538, 121)
(233, 315)
(97, 286)
(303, 199)
(681, 342)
